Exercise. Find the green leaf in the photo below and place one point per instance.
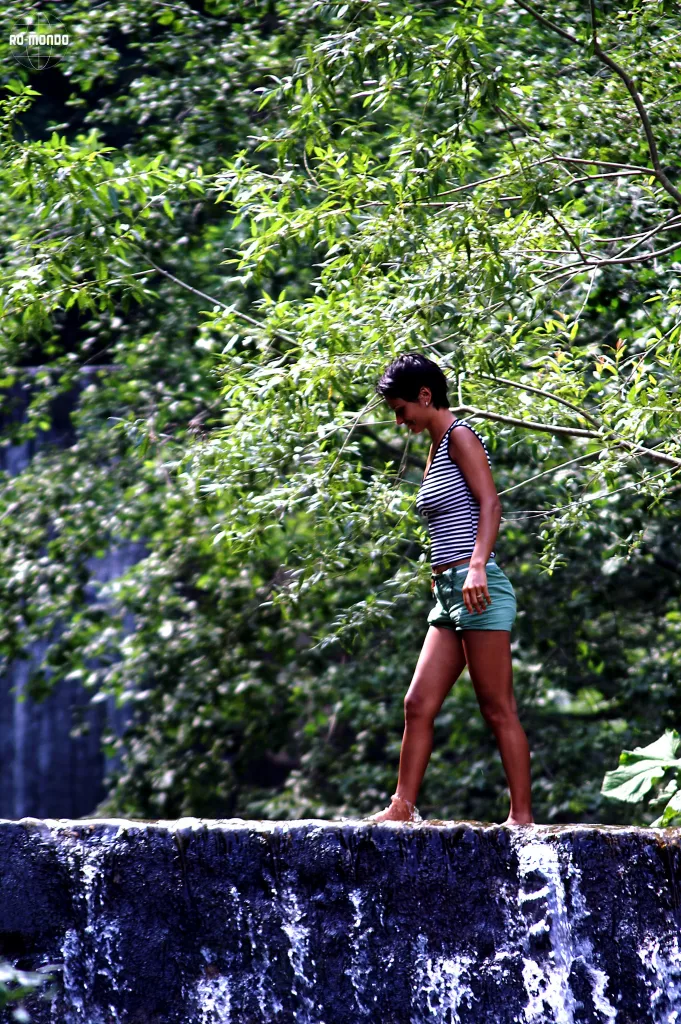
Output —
(641, 768)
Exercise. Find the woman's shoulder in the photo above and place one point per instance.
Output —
(466, 423)
(454, 447)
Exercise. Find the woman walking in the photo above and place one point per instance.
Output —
(475, 606)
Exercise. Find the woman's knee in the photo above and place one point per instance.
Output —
(418, 705)
(498, 714)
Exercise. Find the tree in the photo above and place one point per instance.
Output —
(460, 179)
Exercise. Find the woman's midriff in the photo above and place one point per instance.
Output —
(448, 565)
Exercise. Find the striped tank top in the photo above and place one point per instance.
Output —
(447, 503)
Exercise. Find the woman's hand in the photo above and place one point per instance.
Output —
(475, 592)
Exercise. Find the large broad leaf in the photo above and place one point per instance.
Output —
(671, 815)
(641, 768)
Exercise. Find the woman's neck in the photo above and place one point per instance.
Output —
(441, 421)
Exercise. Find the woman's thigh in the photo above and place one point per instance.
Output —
(488, 655)
(441, 662)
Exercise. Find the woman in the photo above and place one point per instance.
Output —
(475, 604)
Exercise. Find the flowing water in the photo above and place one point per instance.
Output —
(313, 922)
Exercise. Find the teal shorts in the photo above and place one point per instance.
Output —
(450, 609)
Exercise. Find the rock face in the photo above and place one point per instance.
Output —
(316, 922)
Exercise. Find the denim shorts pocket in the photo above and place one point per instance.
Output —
(500, 614)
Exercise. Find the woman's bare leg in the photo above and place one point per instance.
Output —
(440, 664)
(488, 654)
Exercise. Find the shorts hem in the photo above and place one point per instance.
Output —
(477, 629)
(472, 626)
(464, 629)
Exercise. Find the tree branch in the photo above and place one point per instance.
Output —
(196, 291)
(544, 21)
(669, 223)
(551, 428)
(371, 404)
(618, 70)
(645, 120)
(551, 471)
(608, 262)
(633, 245)
(601, 163)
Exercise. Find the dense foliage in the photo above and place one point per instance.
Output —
(221, 224)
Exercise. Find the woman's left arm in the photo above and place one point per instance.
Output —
(466, 450)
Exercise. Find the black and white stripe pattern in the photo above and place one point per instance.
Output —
(447, 503)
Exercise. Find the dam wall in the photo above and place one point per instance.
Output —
(336, 922)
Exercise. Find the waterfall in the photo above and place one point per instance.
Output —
(316, 922)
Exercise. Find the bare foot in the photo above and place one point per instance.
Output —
(518, 821)
(399, 810)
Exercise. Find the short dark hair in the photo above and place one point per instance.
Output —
(410, 372)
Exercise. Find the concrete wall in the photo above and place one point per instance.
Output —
(316, 922)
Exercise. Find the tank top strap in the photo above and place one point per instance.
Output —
(447, 432)
(444, 441)
(453, 424)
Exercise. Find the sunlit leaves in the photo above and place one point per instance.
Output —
(300, 196)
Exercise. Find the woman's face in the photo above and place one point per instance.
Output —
(412, 414)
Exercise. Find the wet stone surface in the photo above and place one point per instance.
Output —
(314, 922)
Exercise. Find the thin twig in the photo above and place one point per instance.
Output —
(670, 222)
(371, 404)
(573, 241)
(549, 472)
(594, 497)
(580, 412)
(403, 461)
(544, 394)
(601, 163)
(203, 295)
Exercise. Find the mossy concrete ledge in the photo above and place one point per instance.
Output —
(336, 922)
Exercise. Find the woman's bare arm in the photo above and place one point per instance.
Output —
(466, 450)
